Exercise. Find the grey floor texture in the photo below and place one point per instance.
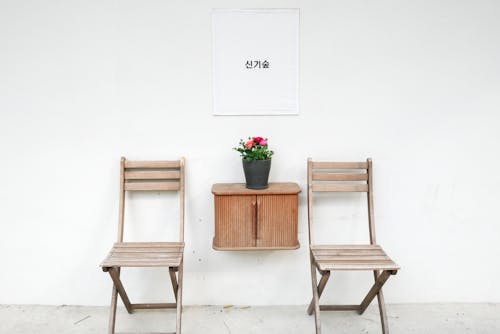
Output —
(403, 318)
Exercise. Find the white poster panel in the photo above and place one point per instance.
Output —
(255, 61)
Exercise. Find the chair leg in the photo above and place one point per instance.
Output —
(179, 296)
(381, 307)
(321, 286)
(315, 295)
(112, 311)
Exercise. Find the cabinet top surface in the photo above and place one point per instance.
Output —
(275, 188)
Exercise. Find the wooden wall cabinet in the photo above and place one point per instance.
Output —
(247, 219)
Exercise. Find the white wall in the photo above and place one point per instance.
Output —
(413, 84)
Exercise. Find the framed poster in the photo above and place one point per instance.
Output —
(255, 61)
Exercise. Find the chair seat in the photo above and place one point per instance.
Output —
(352, 257)
(144, 254)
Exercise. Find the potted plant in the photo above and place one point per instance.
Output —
(256, 158)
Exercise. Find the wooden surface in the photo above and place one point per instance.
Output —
(152, 186)
(152, 175)
(277, 221)
(225, 189)
(256, 219)
(331, 187)
(327, 176)
(235, 221)
(144, 254)
(352, 257)
(339, 165)
(152, 164)
(253, 248)
(338, 176)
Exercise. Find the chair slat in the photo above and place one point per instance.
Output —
(339, 165)
(152, 186)
(143, 263)
(152, 164)
(331, 187)
(334, 256)
(352, 259)
(146, 250)
(152, 175)
(148, 255)
(321, 252)
(147, 244)
(343, 247)
(325, 176)
(358, 266)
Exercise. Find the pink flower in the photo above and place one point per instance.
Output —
(258, 140)
(263, 142)
(249, 144)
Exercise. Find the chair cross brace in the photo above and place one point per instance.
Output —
(118, 287)
(376, 290)
(321, 286)
(173, 279)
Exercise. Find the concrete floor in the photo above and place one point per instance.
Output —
(403, 318)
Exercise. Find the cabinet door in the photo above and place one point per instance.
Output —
(235, 221)
(277, 221)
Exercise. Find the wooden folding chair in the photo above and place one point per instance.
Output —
(346, 177)
(147, 176)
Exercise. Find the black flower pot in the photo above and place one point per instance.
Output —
(256, 173)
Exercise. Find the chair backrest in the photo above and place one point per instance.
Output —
(340, 177)
(151, 176)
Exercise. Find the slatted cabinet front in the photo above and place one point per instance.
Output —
(235, 221)
(256, 219)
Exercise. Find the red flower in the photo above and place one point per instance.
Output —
(258, 140)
